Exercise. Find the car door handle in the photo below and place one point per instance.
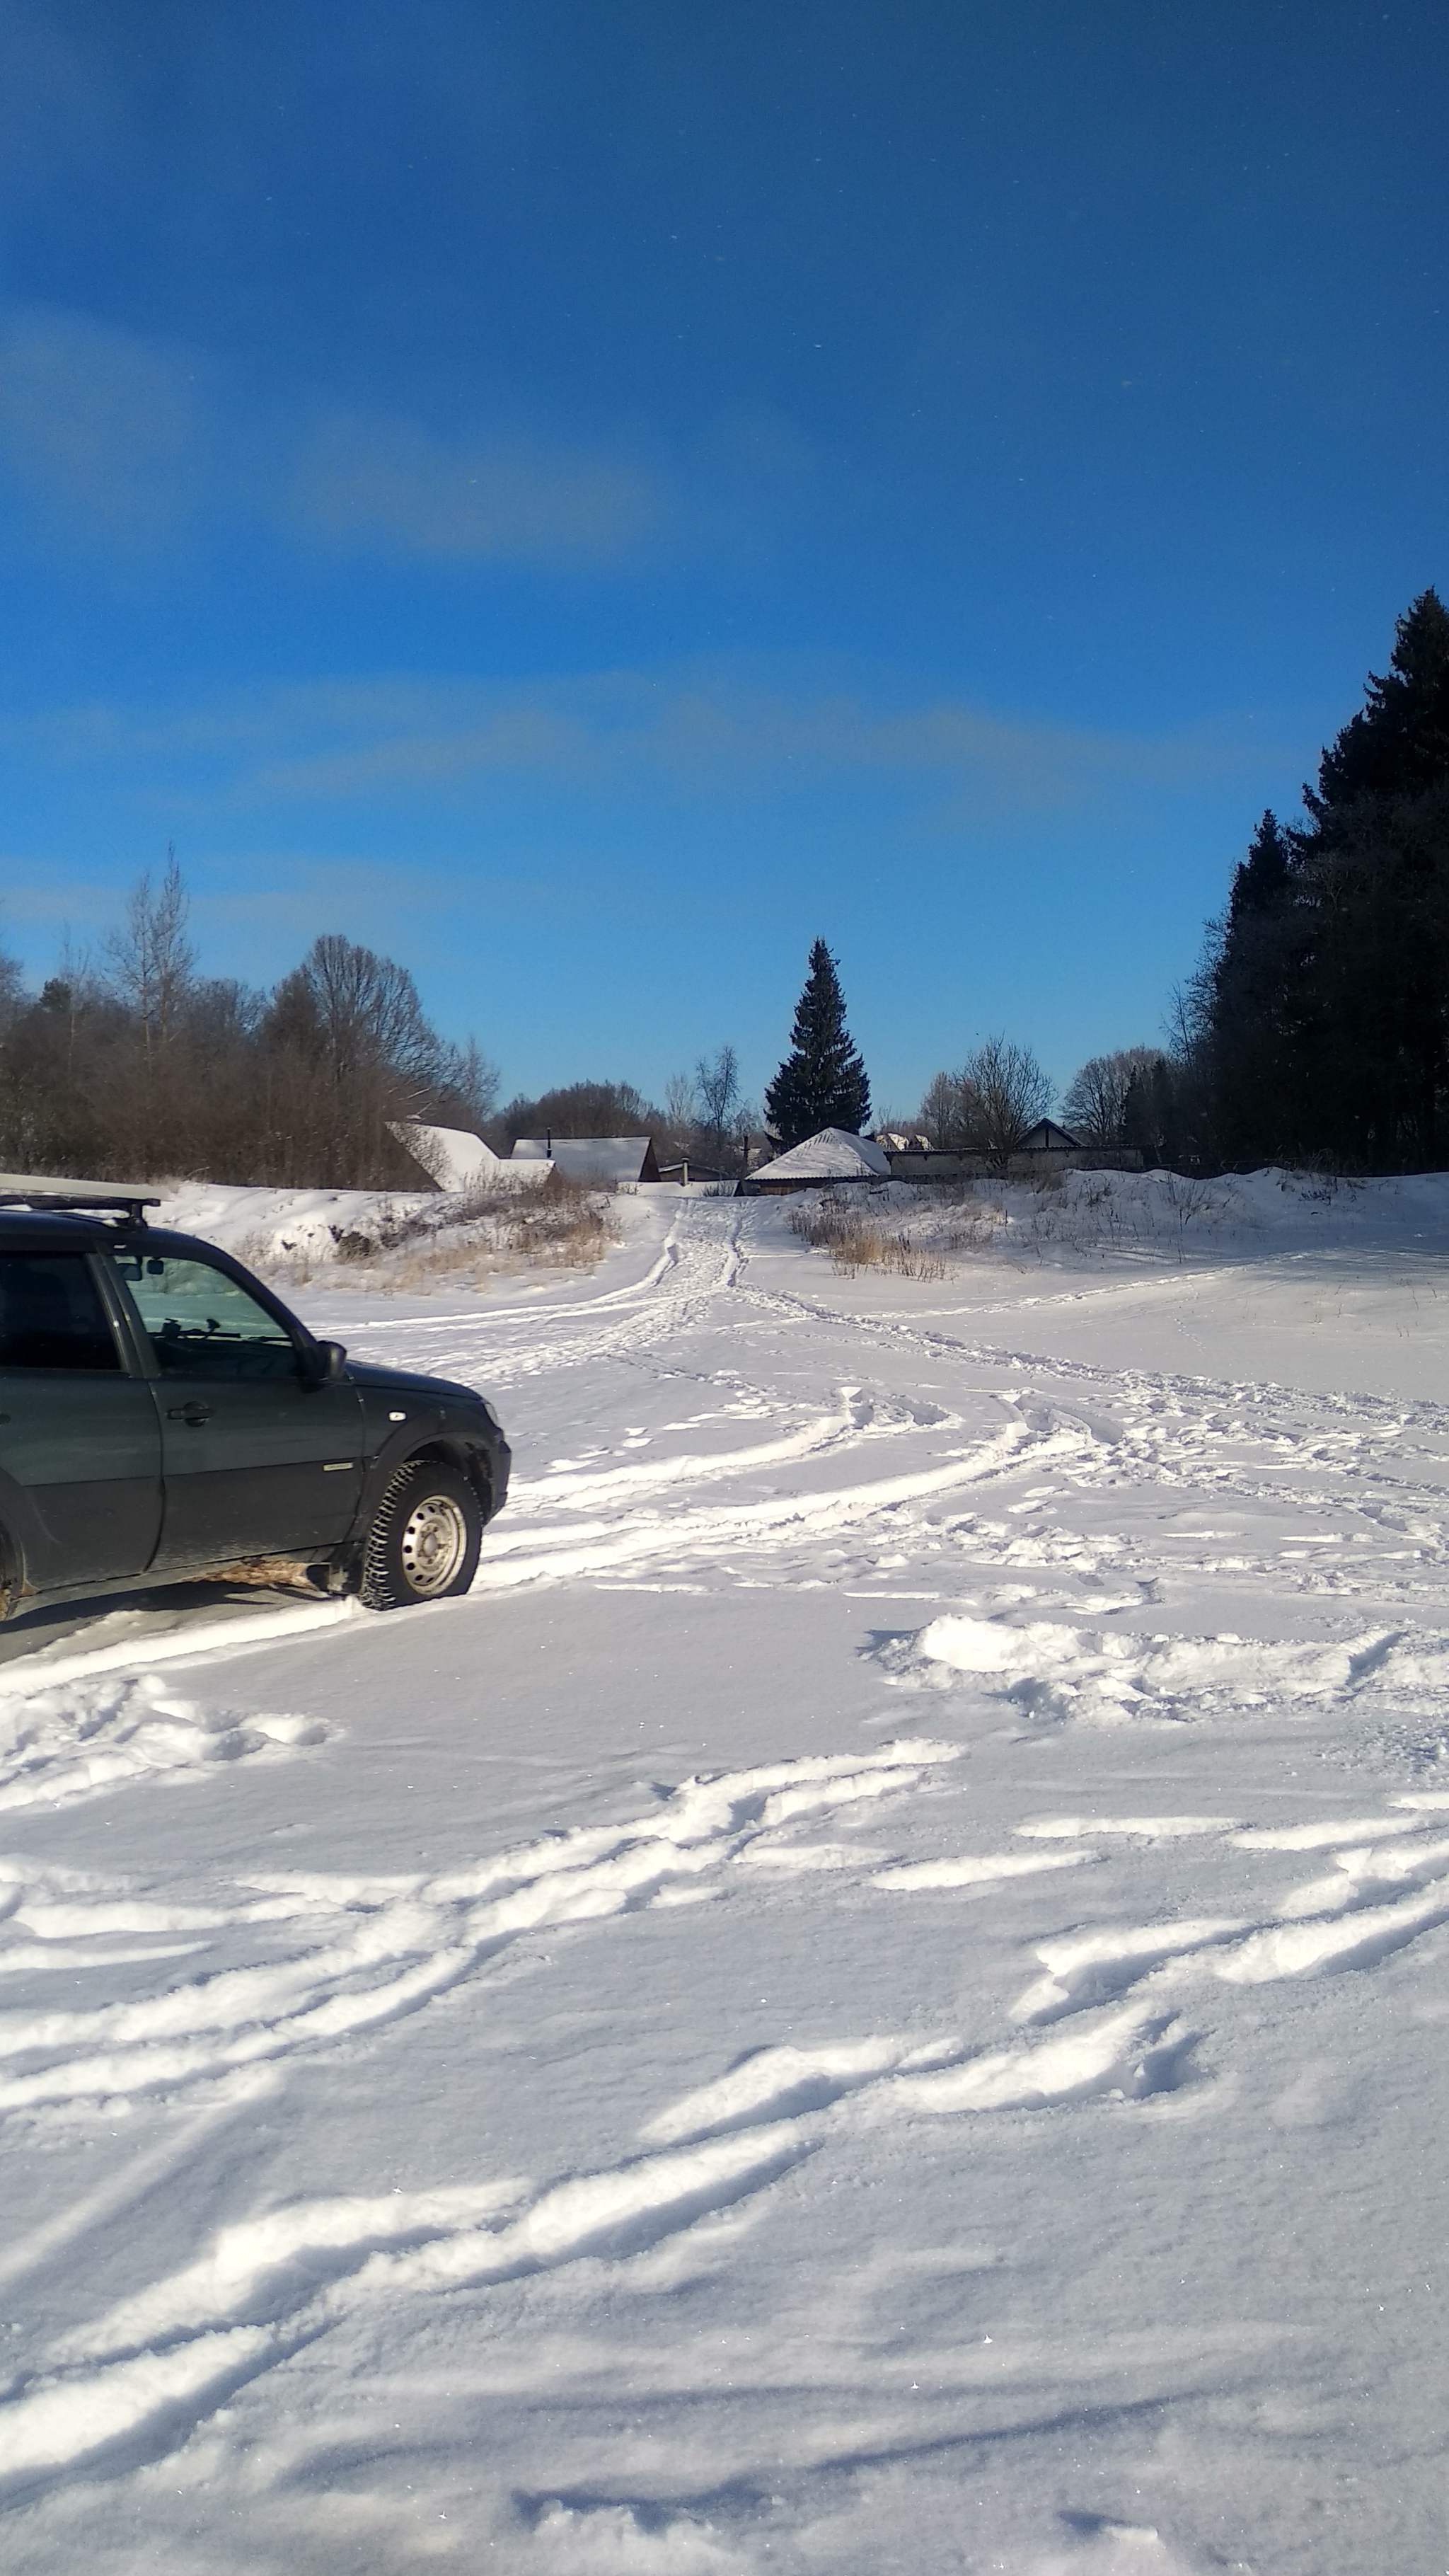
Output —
(193, 1413)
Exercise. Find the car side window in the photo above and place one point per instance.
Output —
(201, 1323)
(51, 1314)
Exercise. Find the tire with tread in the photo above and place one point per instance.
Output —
(424, 1540)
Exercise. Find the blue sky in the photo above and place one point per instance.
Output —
(587, 499)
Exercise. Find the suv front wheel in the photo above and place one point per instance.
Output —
(424, 1540)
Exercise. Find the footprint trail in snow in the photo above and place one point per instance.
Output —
(939, 2110)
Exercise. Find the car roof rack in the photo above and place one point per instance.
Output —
(119, 1203)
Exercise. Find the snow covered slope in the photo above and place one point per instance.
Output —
(873, 1999)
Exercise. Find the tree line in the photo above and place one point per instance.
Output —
(130, 1064)
(1317, 1027)
(1314, 1030)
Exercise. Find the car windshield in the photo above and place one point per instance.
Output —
(202, 1323)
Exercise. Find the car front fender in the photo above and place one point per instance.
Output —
(425, 1437)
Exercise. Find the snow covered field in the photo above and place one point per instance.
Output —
(873, 1999)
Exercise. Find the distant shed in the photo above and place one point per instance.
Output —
(599, 1162)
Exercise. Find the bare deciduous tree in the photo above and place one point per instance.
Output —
(717, 1084)
(990, 1103)
(947, 1114)
(151, 958)
(352, 1052)
(580, 1109)
(681, 1106)
(1011, 1090)
(1095, 1103)
(708, 1120)
(12, 988)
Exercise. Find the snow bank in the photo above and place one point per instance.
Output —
(1127, 1216)
(61, 1740)
(393, 1238)
(1090, 1672)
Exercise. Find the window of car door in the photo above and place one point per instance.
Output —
(51, 1315)
(203, 1324)
(78, 1432)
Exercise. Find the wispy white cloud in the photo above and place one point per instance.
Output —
(117, 442)
(33, 890)
(103, 435)
(375, 484)
(680, 731)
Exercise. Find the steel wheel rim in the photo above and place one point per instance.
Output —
(434, 1543)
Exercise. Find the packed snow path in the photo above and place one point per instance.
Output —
(873, 1999)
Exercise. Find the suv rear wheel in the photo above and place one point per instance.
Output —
(424, 1540)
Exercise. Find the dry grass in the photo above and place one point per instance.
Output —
(858, 1238)
(463, 1240)
(1018, 1221)
(555, 1225)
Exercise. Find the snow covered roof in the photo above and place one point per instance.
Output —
(833, 1155)
(594, 1160)
(452, 1156)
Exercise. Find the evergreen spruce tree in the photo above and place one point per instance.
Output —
(1260, 881)
(1261, 1006)
(1374, 865)
(822, 1081)
(1326, 1006)
(1398, 743)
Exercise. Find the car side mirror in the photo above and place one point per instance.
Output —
(326, 1364)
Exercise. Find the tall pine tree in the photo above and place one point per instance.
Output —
(822, 1080)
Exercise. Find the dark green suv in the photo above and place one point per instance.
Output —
(164, 1417)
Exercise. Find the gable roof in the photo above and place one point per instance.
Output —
(1046, 1134)
(594, 1160)
(452, 1156)
(833, 1155)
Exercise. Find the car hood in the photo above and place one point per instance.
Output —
(391, 1381)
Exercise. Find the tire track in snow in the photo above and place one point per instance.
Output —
(1139, 1430)
(857, 1418)
(694, 1267)
(138, 2379)
(730, 1530)
(1388, 1883)
(1246, 1443)
(365, 1951)
(1174, 1416)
